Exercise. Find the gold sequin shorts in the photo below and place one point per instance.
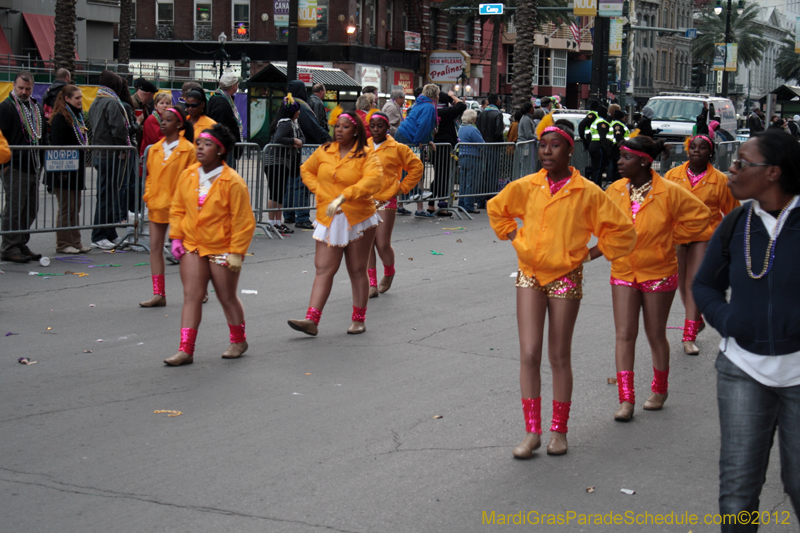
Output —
(219, 259)
(569, 287)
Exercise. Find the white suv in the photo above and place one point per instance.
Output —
(675, 115)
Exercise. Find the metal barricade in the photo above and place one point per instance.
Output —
(282, 189)
(436, 185)
(483, 170)
(526, 157)
(726, 153)
(85, 187)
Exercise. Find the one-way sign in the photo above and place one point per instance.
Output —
(491, 9)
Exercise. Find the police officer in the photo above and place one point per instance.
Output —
(619, 133)
(599, 143)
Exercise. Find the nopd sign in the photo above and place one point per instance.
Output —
(445, 66)
(62, 160)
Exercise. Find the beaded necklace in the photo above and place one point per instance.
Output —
(694, 179)
(638, 195)
(31, 120)
(770, 254)
(108, 93)
(227, 97)
(79, 127)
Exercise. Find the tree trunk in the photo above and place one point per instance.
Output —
(64, 49)
(124, 55)
(497, 23)
(525, 21)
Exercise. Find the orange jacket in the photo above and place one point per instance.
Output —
(203, 123)
(669, 215)
(357, 178)
(224, 224)
(5, 151)
(162, 177)
(712, 190)
(556, 229)
(395, 158)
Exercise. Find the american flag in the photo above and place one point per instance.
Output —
(576, 33)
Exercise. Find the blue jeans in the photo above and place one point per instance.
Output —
(749, 413)
(111, 179)
(469, 165)
(297, 194)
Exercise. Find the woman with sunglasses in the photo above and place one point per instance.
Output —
(195, 102)
(211, 226)
(395, 159)
(166, 161)
(664, 214)
(758, 367)
(343, 175)
(699, 177)
(560, 210)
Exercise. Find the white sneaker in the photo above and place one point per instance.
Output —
(104, 244)
(68, 250)
(426, 195)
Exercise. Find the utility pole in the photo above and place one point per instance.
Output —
(623, 71)
(727, 40)
(599, 87)
(291, 53)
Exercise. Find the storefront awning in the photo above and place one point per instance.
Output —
(43, 30)
(5, 50)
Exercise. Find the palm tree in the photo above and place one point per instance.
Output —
(524, 51)
(64, 49)
(787, 66)
(744, 31)
(124, 54)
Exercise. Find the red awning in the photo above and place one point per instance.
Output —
(43, 30)
(5, 50)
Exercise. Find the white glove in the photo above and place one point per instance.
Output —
(334, 205)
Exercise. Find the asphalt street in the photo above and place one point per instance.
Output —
(406, 428)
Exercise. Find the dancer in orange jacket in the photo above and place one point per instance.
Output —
(664, 215)
(711, 186)
(560, 210)
(166, 161)
(211, 226)
(395, 158)
(343, 175)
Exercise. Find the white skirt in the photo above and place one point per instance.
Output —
(341, 233)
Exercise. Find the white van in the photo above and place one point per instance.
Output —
(675, 114)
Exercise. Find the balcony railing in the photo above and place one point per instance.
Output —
(165, 31)
(202, 31)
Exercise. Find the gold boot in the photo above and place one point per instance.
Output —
(356, 328)
(655, 402)
(156, 301)
(690, 348)
(558, 443)
(235, 350)
(180, 358)
(306, 326)
(385, 284)
(525, 449)
(373, 292)
(625, 412)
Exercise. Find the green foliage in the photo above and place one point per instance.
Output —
(744, 31)
(787, 66)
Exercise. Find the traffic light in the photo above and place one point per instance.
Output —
(245, 71)
(612, 73)
(698, 76)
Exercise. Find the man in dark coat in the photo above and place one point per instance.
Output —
(22, 123)
(490, 121)
(296, 193)
(63, 78)
(222, 109)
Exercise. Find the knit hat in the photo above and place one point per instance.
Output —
(291, 105)
(648, 112)
(144, 85)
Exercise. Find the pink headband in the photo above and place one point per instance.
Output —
(705, 138)
(554, 129)
(640, 154)
(380, 117)
(350, 118)
(177, 114)
(210, 137)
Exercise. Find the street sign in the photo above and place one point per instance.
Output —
(691, 33)
(305, 75)
(61, 160)
(491, 9)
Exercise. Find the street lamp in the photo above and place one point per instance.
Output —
(221, 54)
(464, 79)
(718, 11)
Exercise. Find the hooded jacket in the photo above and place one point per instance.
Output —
(50, 96)
(308, 120)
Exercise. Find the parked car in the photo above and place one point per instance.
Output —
(742, 134)
(575, 116)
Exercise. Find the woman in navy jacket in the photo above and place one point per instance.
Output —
(758, 367)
